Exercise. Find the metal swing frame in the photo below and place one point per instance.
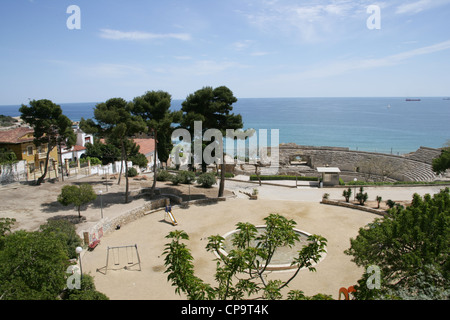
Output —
(130, 264)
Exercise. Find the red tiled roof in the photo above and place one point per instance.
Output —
(16, 136)
(78, 148)
(146, 145)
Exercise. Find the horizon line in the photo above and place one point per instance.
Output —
(286, 97)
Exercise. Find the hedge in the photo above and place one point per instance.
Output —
(277, 177)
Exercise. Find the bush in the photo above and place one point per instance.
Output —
(132, 172)
(94, 161)
(66, 231)
(186, 177)
(362, 196)
(347, 194)
(176, 179)
(163, 175)
(206, 180)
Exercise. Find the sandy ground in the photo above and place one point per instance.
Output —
(32, 206)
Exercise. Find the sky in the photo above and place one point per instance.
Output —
(257, 48)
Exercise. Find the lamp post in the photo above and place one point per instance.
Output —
(78, 250)
(354, 194)
(101, 202)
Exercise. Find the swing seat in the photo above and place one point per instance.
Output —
(93, 245)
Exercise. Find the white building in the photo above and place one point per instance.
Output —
(74, 153)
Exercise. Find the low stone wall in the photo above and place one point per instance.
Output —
(108, 225)
(353, 206)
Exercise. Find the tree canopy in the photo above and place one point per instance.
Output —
(241, 273)
(213, 107)
(77, 196)
(51, 127)
(407, 243)
(115, 122)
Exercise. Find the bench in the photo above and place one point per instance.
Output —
(93, 245)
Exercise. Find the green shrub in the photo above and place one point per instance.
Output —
(163, 175)
(186, 177)
(206, 180)
(94, 161)
(132, 172)
(176, 179)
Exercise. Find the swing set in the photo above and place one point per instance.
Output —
(131, 256)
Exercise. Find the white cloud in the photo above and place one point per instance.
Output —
(419, 6)
(138, 35)
(344, 66)
(310, 21)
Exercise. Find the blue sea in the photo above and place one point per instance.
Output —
(388, 125)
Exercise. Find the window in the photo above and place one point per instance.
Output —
(30, 150)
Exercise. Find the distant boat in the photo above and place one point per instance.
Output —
(389, 106)
(446, 99)
(413, 100)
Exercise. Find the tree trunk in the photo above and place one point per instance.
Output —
(124, 155)
(154, 163)
(222, 177)
(41, 178)
(61, 162)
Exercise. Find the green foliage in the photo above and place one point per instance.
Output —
(139, 160)
(107, 153)
(86, 292)
(33, 266)
(442, 163)
(115, 122)
(207, 180)
(94, 161)
(51, 127)
(163, 175)
(66, 232)
(362, 196)
(347, 194)
(132, 172)
(254, 177)
(379, 199)
(408, 243)
(186, 177)
(213, 108)
(154, 108)
(7, 156)
(240, 274)
(5, 228)
(390, 203)
(77, 196)
(7, 121)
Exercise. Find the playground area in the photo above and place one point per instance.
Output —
(148, 280)
(128, 262)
